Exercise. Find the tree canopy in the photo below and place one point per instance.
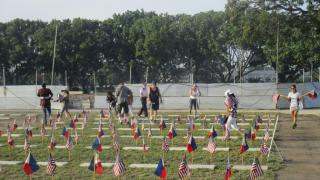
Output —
(214, 46)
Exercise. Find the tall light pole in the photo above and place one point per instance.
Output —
(94, 82)
(66, 78)
(54, 54)
(147, 71)
(3, 77)
(277, 62)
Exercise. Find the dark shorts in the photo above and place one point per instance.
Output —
(123, 105)
(155, 106)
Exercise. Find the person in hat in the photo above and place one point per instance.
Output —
(143, 99)
(194, 93)
(231, 103)
(122, 93)
(45, 95)
(63, 98)
(154, 97)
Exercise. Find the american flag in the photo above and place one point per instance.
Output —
(116, 144)
(8, 130)
(25, 124)
(52, 142)
(149, 132)
(118, 168)
(14, 126)
(110, 124)
(211, 146)
(145, 148)
(51, 168)
(43, 131)
(75, 118)
(266, 135)
(264, 149)
(113, 131)
(165, 145)
(184, 171)
(53, 124)
(26, 143)
(255, 170)
(29, 120)
(10, 140)
(69, 144)
(76, 136)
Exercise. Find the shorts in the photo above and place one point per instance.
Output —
(232, 124)
(123, 105)
(294, 108)
(155, 106)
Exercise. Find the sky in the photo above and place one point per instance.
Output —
(47, 10)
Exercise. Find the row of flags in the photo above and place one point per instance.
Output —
(30, 166)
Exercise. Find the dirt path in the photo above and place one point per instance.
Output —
(300, 147)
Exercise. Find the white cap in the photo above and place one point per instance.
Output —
(227, 92)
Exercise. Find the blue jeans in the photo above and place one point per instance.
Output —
(45, 117)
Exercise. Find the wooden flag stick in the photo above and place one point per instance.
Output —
(242, 158)
(42, 139)
(94, 172)
(30, 176)
(192, 157)
(150, 141)
(69, 155)
(9, 150)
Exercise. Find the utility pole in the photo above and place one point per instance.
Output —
(130, 77)
(277, 68)
(311, 72)
(54, 54)
(66, 78)
(3, 76)
(147, 71)
(94, 82)
(303, 75)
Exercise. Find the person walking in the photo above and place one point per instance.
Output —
(122, 93)
(154, 99)
(45, 95)
(64, 102)
(143, 99)
(231, 103)
(194, 93)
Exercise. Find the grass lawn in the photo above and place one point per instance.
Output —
(172, 159)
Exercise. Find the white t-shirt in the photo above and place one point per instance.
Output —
(294, 99)
(143, 92)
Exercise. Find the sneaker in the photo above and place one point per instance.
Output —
(294, 126)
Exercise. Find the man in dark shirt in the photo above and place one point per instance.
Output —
(45, 95)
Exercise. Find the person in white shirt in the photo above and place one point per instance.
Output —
(143, 99)
(194, 93)
(295, 99)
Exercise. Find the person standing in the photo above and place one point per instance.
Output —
(295, 99)
(122, 93)
(45, 95)
(154, 99)
(143, 99)
(194, 93)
